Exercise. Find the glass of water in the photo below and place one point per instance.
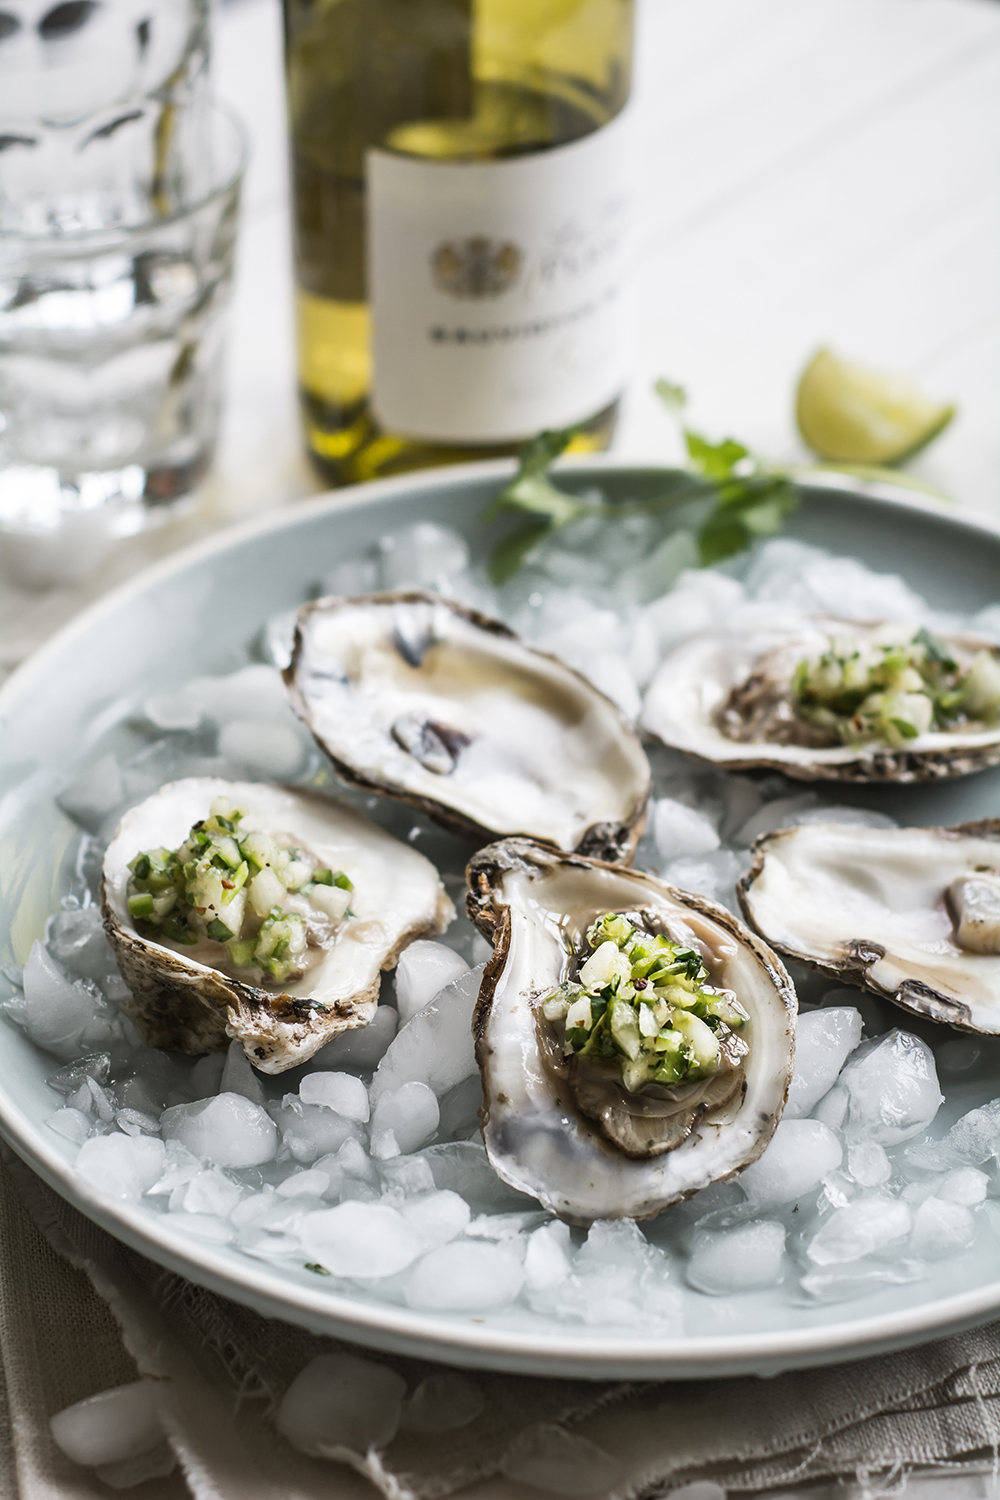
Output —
(111, 344)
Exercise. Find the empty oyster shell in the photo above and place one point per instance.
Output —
(725, 696)
(426, 701)
(181, 1000)
(535, 905)
(912, 914)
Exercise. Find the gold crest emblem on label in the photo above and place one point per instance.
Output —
(476, 267)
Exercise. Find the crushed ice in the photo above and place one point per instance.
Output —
(363, 1171)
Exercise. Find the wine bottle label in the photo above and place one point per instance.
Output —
(497, 289)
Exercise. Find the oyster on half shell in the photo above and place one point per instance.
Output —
(545, 1133)
(189, 998)
(726, 695)
(431, 703)
(912, 914)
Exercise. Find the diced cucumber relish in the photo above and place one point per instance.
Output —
(229, 887)
(645, 1002)
(894, 691)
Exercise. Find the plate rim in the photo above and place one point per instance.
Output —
(397, 1329)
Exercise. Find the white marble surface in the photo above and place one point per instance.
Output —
(815, 171)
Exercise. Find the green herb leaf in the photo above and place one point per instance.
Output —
(936, 650)
(906, 729)
(714, 460)
(511, 554)
(313, 1265)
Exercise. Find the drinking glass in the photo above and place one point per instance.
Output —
(111, 339)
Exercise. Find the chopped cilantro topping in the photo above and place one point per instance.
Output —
(645, 1003)
(894, 690)
(257, 895)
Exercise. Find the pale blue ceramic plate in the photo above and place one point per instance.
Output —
(194, 614)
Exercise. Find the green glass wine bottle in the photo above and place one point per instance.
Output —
(461, 225)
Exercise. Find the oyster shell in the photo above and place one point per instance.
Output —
(541, 1136)
(181, 1000)
(724, 695)
(912, 914)
(423, 700)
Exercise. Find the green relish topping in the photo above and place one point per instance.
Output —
(894, 690)
(261, 897)
(644, 1002)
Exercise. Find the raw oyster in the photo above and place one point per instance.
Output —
(727, 695)
(912, 914)
(426, 701)
(545, 1132)
(189, 995)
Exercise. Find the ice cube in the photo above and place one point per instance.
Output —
(360, 1049)
(125, 1473)
(460, 1108)
(893, 1089)
(465, 1276)
(311, 1130)
(406, 1176)
(964, 1185)
(547, 1259)
(75, 938)
(122, 1166)
(742, 1259)
(341, 1401)
(844, 1282)
(941, 1228)
(424, 553)
(858, 1229)
(210, 1192)
(868, 1164)
(437, 1217)
(464, 1167)
(682, 831)
(436, 1047)
(263, 747)
(95, 794)
(976, 1136)
(783, 812)
(442, 1403)
(713, 875)
(342, 1092)
(408, 1114)
(422, 972)
(361, 1240)
(70, 1123)
(64, 1016)
(559, 1462)
(227, 1130)
(112, 1426)
(238, 1076)
(206, 1075)
(798, 1157)
(832, 1108)
(313, 1182)
(824, 1039)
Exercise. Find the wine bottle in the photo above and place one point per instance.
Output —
(461, 220)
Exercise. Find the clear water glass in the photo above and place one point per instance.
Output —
(111, 342)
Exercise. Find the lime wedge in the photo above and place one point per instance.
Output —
(848, 414)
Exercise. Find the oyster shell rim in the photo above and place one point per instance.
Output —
(913, 996)
(620, 840)
(872, 764)
(231, 1008)
(492, 919)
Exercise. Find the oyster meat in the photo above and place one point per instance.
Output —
(423, 700)
(822, 698)
(577, 1112)
(242, 909)
(912, 914)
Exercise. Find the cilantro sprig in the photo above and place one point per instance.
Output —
(735, 496)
